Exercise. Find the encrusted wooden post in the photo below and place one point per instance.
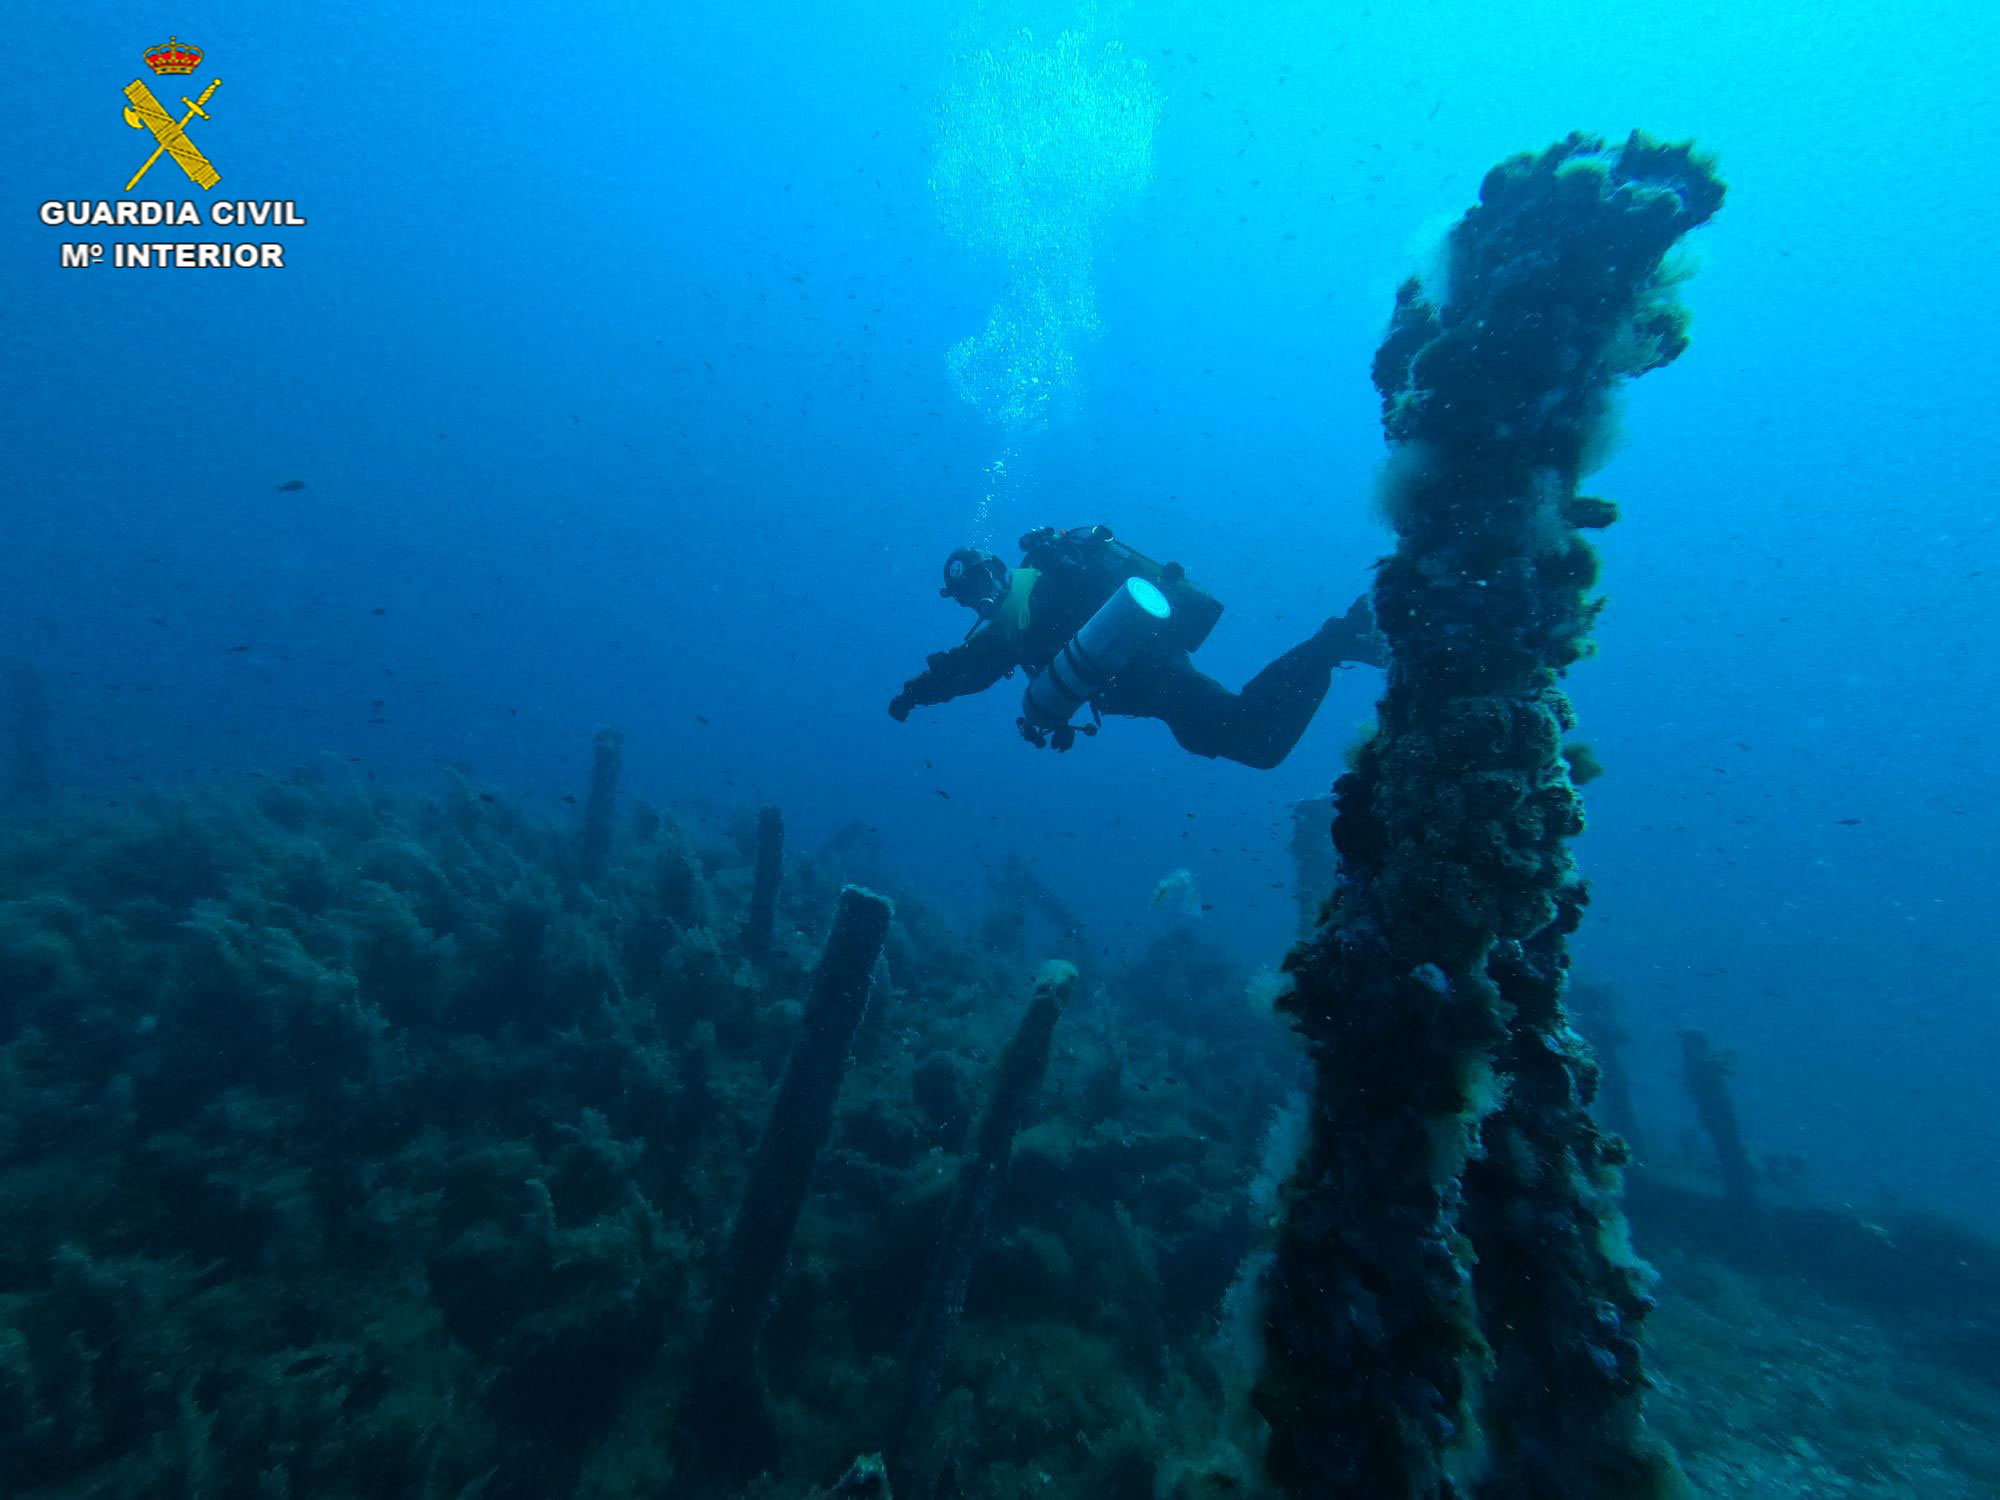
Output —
(770, 869)
(1452, 1310)
(726, 1427)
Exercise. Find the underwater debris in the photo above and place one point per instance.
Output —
(1445, 1320)
(1178, 892)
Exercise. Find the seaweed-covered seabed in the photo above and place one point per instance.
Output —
(355, 1143)
(1768, 1387)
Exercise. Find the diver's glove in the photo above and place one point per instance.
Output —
(900, 706)
(1059, 739)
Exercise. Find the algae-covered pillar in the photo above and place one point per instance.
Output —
(1451, 1311)
(600, 809)
(1705, 1073)
(725, 1428)
(769, 870)
(1017, 1083)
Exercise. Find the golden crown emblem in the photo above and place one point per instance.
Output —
(173, 57)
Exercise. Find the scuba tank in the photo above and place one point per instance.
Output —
(1095, 549)
(1084, 667)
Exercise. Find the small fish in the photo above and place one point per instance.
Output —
(378, 610)
(236, 650)
(942, 793)
(701, 718)
(291, 486)
(488, 797)
(569, 799)
(1848, 822)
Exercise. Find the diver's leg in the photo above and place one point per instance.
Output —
(1204, 716)
(1275, 706)
(1270, 715)
(1165, 685)
(1257, 727)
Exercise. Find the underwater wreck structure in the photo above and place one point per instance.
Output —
(1017, 1081)
(1705, 1073)
(1453, 1307)
(726, 1424)
(600, 809)
(759, 926)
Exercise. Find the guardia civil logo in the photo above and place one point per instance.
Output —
(173, 138)
(145, 113)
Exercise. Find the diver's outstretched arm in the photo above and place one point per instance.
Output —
(972, 667)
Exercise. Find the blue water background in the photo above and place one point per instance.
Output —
(614, 357)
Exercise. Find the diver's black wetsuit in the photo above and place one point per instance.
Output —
(1257, 727)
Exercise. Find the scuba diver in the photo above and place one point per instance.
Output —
(1097, 624)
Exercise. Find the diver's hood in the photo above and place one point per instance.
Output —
(978, 580)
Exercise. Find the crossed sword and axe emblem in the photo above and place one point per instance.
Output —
(145, 113)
